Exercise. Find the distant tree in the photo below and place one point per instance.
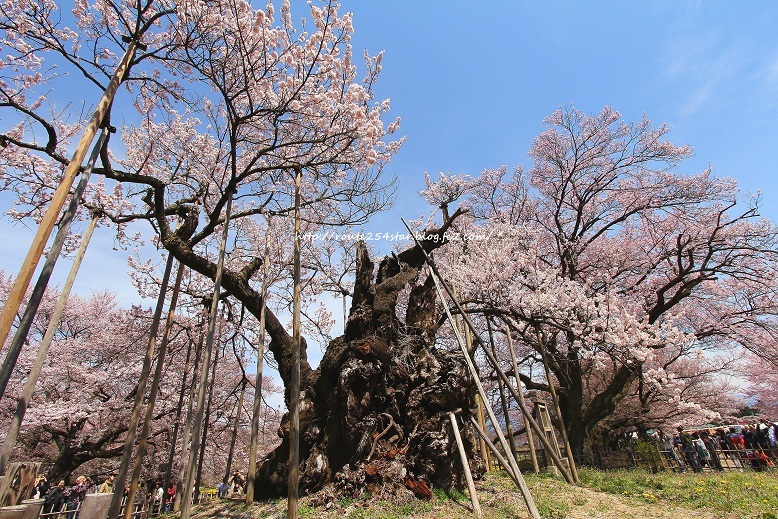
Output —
(634, 277)
(81, 406)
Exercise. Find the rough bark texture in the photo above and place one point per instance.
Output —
(374, 413)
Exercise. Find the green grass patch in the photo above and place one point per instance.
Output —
(749, 494)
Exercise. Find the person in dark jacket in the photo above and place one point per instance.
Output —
(54, 498)
(41, 488)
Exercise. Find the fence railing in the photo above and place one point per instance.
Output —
(648, 455)
(152, 508)
(651, 457)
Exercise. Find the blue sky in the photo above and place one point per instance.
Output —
(473, 81)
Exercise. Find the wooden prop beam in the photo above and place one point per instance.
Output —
(293, 482)
(197, 426)
(14, 300)
(255, 417)
(185, 436)
(497, 427)
(492, 360)
(465, 466)
(522, 403)
(20, 337)
(132, 431)
(555, 400)
(43, 350)
(146, 429)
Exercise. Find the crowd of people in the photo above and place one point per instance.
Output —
(62, 501)
(740, 446)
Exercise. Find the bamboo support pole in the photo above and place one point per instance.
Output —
(481, 434)
(474, 373)
(503, 399)
(132, 430)
(293, 482)
(485, 454)
(238, 410)
(555, 400)
(43, 350)
(152, 398)
(185, 436)
(465, 466)
(14, 299)
(206, 425)
(186, 507)
(480, 402)
(255, 417)
(177, 421)
(9, 363)
(547, 445)
(522, 404)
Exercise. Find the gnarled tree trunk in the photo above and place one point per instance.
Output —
(374, 412)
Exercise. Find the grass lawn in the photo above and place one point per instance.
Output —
(630, 494)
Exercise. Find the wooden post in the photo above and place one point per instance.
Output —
(33, 508)
(489, 356)
(474, 373)
(293, 482)
(48, 268)
(238, 410)
(522, 404)
(177, 421)
(152, 398)
(197, 425)
(18, 482)
(185, 445)
(555, 400)
(480, 402)
(255, 417)
(465, 466)
(95, 506)
(140, 394)
(43, 350)
(14, 299)
(206, 424)
(479, 406)
(505, 465)
(503, 398)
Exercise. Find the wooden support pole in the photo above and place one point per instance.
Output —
(555, 400)
(43, 350)
(497, 427)
(255, 417)
(293, 482)
(9, 363)
(522, 404)
(465, 466)
(503, 399)
(177, 421)
(238, 410)
(206, 426)
(479, 406)
(152, 398)
(557, 461)
(481, 434)
(480, 402)
(186, 507)
(14, 299)
(185, 436)
(140, 394)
